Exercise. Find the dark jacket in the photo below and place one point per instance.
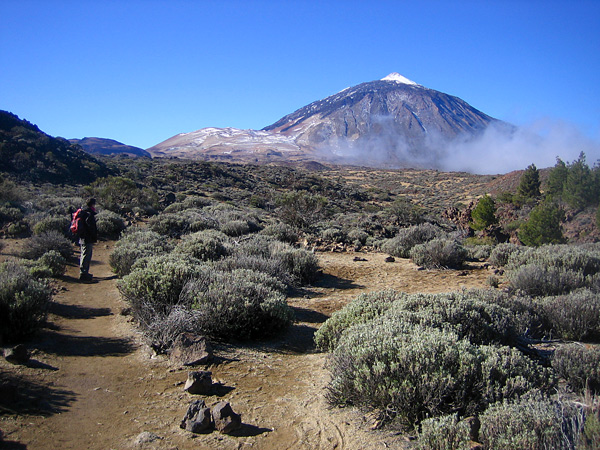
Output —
(90, 231)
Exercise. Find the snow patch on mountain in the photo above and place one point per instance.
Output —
(395, 76)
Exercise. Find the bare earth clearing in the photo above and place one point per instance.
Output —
(92, 384)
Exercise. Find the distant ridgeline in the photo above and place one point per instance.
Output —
(30, 154)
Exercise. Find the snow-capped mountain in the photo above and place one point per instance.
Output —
(391, 122)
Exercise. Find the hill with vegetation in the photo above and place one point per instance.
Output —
(27, 153)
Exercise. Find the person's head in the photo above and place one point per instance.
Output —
(91, 202)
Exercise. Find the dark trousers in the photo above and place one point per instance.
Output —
(86, 256)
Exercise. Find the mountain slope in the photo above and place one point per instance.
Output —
(101, 146)
(29, 154)
(392, 122)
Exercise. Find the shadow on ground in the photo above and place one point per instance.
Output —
(23, 396)
(70, 345)
(78, 311)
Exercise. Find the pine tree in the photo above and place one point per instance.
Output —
(484, 214)
(543, 226)
(529, 186)
(557, 179)
(579, 186)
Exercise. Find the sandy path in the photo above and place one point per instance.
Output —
(92, 385)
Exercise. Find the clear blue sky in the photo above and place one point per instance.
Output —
(141, 71)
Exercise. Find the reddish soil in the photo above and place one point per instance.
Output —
(92, 384)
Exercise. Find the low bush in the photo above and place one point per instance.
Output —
(109, 224)
(584, 259)
(573, 316)
(51, 223)
(335, 235)
(189, 202)
(301, 264)
(579, 366)
(533, 422)
(282, 232)
(135, 244)
(410, 372)
(362, 309)
(54, 262)
(358, 237)
(237, 305)
(201, 245)
(42, 243)
(537, 280)
(24, 302)
(439, 253)
(444, 433)
(170, 225)
(407, 238)
(502, 252)
(236, 228)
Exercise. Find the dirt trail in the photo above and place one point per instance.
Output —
(91, 384)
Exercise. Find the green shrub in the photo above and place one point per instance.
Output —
(155, 283)
(407, 238)
(444, 433)
(358, 237)
(301, 264)
(135, 244)
(537, 280)
(24, 302)
(10, 214)
(411, 372)
(189, 202)
(267, 265)
(573, 316)
(51, 223)
(42, 243)
(201, 245)
(502, 252)
(54, 261)
(543, 226)
(584, 259)
(282, 232)
(439, 253)
(333, 235)
(484, 214)
(478, 252)
(532, 422)
(579, 366)
(171, 225)
(109, 224)
(237, 305)
(475, 315)
(362, 309)
(236, 228)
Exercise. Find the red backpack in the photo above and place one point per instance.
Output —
(76, 223)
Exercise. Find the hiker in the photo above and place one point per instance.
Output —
(88, 235)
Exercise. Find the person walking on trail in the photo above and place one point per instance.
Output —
(88, 236)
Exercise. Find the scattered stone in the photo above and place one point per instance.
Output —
(17, 354)
(225, 419)
(464, 273)
(359, 258)
(145, 437)
(190, 349)
(199, 382)
(197, 418)
(390, 259)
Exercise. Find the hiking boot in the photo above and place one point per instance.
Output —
(85, 276)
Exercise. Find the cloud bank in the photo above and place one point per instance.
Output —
(499, 149)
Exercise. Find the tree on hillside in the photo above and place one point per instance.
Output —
(557, 178)
(529, 187)
(579, 190)
(484, 214)
(543, 226)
